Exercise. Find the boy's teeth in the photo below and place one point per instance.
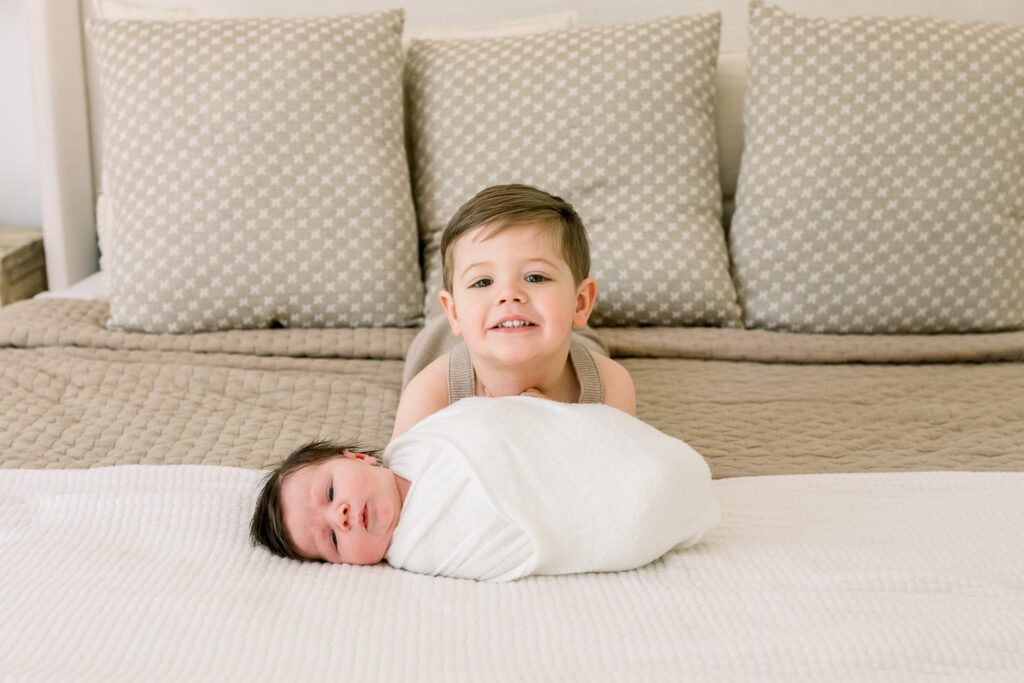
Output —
(514, 323)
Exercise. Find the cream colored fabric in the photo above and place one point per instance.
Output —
(260, 179)
(121, 9)
(882, 183)
(75, 394)
(558, 21)
(73, 322)
(617, 120)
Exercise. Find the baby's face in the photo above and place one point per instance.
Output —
(341, 510)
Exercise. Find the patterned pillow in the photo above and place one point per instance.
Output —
(882, 183)
(617, 120)
(255, 171)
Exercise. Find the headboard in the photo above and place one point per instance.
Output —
(69, 119)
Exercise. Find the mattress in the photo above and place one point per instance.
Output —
(146, 573)
(74, 394)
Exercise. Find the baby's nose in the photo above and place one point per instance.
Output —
(343, 511)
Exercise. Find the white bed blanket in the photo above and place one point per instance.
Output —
(146, 573)
(507, 487)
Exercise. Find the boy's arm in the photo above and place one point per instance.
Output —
(618, 384)
(424, 395)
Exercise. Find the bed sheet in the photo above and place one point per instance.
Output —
(145, 573)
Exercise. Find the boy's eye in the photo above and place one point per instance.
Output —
(536, 277)
(330, 493)
(334, 540)
(482, 282)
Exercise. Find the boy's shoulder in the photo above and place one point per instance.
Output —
(619, 391)
(435, 370)
(426, 393)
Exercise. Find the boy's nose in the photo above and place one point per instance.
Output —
(511, 293)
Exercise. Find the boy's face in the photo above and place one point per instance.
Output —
(513, 298)
(344, 509)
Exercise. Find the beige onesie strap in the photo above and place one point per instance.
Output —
(462, 379)
(591, 386)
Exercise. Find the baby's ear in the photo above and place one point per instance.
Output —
(448, 304)
(586, 295)
(359, 456)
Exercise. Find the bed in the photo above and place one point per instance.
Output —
(871, 483)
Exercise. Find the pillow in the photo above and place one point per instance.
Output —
(559, 21)
(619, 121)
(122, 9)
(255, 173)
(881, 188)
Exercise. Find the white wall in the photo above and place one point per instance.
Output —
(19, 176)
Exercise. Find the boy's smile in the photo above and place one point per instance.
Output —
(513, 322)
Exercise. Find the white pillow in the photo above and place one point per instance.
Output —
(560, 21)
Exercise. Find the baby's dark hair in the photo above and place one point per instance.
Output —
(267, 525)
(503, 206)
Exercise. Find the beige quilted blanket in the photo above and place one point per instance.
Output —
(74, 394)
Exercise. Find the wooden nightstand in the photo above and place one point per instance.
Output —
(22, 263)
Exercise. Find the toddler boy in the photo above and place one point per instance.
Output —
(516, 264)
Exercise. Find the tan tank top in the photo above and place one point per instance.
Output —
(462, 378)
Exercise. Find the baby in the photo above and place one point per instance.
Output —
(516, 264)
(494, 489)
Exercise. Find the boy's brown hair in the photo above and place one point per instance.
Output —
(267, 525)
(504, 206)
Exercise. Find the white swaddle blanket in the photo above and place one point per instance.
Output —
(507, 487)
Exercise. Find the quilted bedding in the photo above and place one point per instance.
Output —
(74, 394)
(145, 573)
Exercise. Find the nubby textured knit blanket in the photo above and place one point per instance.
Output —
(503, 488)
(145, 573)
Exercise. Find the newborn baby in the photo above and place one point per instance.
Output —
(494, 489)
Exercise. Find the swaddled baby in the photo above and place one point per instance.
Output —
(494, 489)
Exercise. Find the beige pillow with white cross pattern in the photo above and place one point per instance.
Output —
(256, 172)
(619, 121)
(882, 183)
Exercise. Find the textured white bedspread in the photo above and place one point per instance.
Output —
(145, 572)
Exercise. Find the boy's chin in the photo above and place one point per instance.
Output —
(517, 357)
